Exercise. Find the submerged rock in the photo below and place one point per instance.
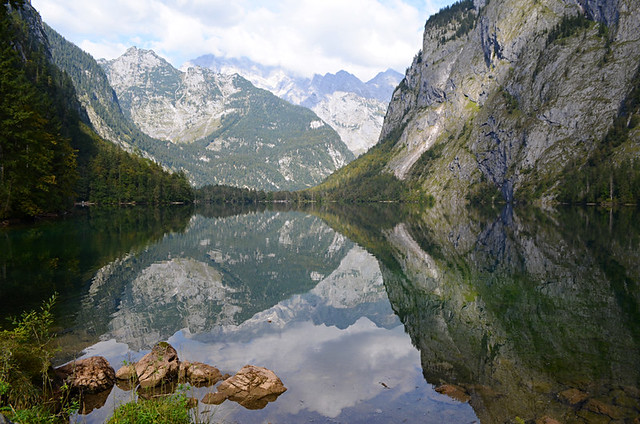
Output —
(93, 401)
(90, 375)
(573, 396)
(547, 420)
(158, 366)
(455, 392)
(602, 408)
(214, 398)
(252, 387)
(162, 390)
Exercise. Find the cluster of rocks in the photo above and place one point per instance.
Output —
(617, 404)
(158, 372)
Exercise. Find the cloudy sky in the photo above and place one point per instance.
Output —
(305, 36)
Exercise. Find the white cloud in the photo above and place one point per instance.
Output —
(307, 36)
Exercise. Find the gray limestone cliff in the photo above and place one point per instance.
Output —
(512, 91)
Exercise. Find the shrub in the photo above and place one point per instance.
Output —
(26, 387)
(25, 358)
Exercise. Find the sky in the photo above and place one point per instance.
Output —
(307, 37)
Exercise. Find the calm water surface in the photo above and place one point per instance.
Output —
(361, 311)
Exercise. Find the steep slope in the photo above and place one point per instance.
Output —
(228, 131)
(515, 96)
(49, 157)
(353, 108)
(38, 167)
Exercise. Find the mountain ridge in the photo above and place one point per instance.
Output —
(222, 148)
(353, 108)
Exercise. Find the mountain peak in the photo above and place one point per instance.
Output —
(143, 58)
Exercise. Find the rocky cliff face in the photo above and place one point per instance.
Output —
(510, 92)
(353, 108)
(166, 103)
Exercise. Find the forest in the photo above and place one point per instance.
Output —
(49, 156)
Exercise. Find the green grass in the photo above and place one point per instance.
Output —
(172, 409)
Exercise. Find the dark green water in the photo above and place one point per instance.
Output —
(362, 311)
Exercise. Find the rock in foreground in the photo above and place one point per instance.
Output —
(158, 366)
(252, 387)
(91, 375)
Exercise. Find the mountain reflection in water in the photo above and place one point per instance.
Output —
(363, 311)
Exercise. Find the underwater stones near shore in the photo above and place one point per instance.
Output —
(252, 387)
(455, 392)
(573, 396)
(547, 420)
(602, 408)
(90, 375)
(620, 404)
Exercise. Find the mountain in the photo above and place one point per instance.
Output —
(519, 100)
(272, 78)
(353, 108)
(221, 129)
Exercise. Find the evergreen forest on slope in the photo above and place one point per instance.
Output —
(49, 155)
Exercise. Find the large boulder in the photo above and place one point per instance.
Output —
(161, 365)
(198, 374)
(90, 375)
(252, 387)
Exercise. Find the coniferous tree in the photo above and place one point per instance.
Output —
(37, 163)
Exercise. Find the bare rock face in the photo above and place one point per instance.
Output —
(252, 387)
(198, 374)
(159, 365)
(522, 105)
(90, 375)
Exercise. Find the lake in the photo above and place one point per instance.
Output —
(362, 311)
